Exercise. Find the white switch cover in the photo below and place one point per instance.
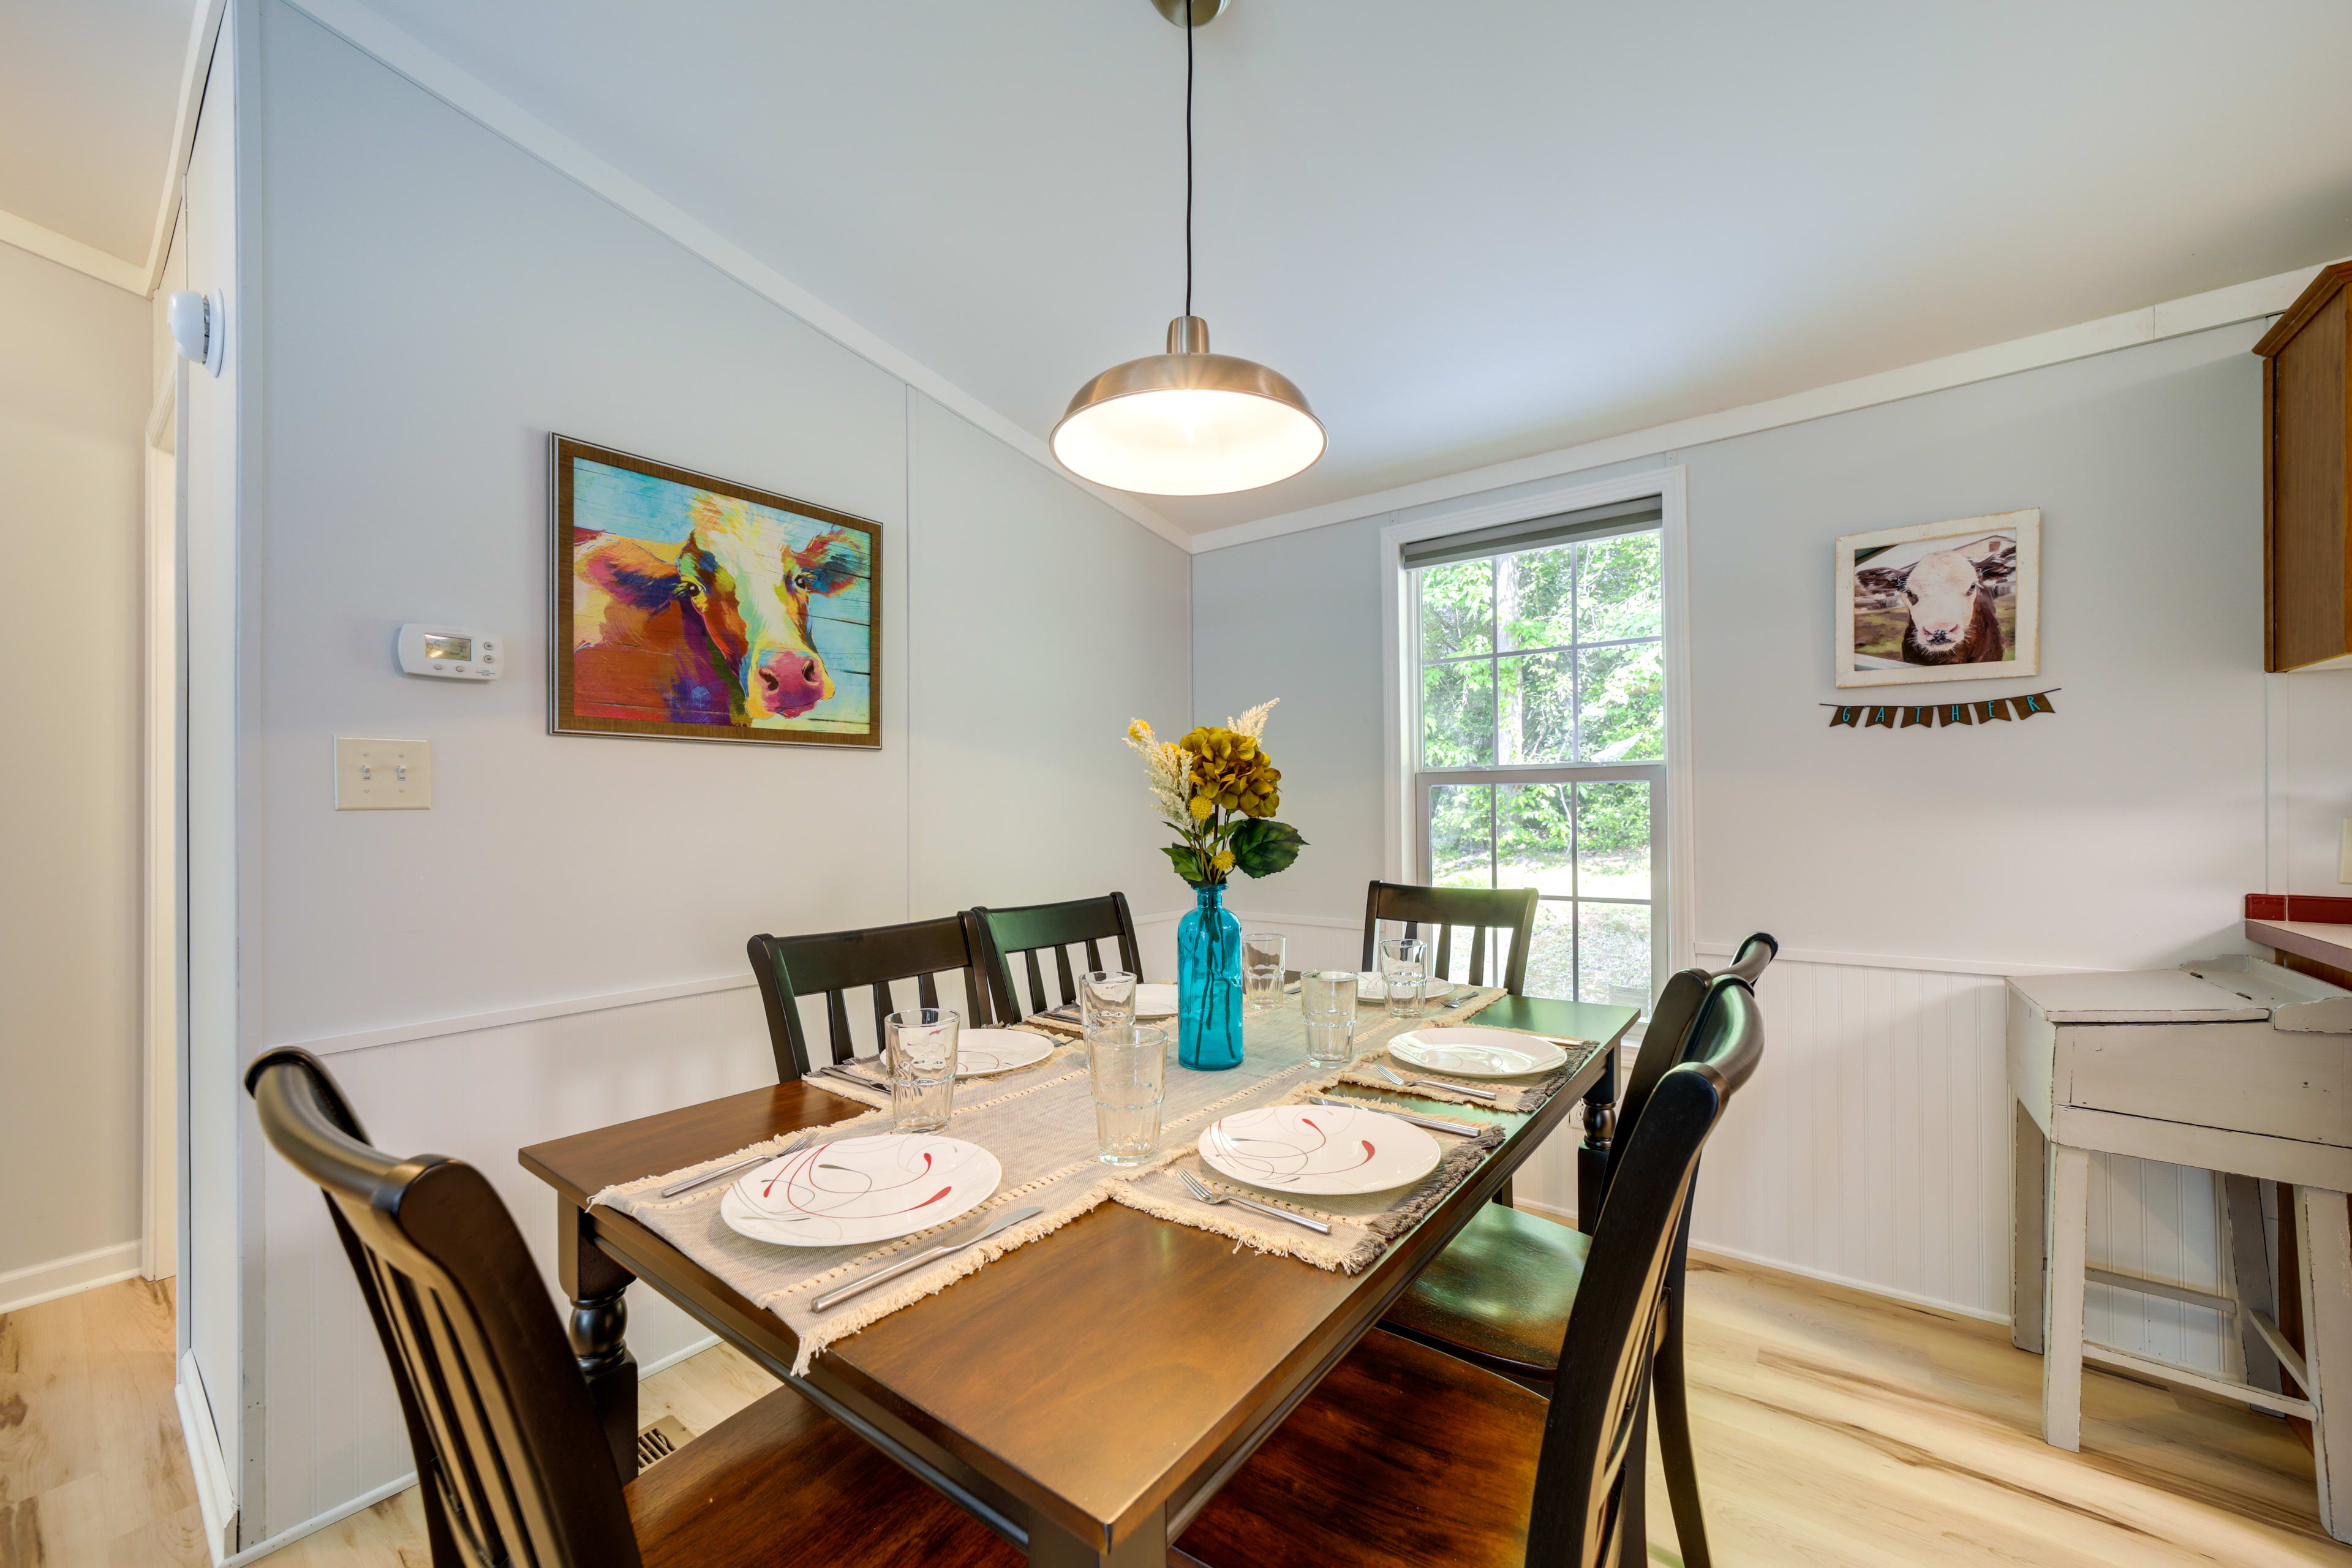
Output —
(2344, 851)
(382, 775)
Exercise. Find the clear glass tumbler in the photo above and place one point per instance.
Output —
(1263, 958)
(1327, 996)
(921, 1045)
(1106, 999)
(1128, 1065)
(1404, 972)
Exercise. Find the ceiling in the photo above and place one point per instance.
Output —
(88, 93)
(1470, 233)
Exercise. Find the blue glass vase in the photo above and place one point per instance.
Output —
(1209, 984)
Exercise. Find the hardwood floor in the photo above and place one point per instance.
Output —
(1835, 1429)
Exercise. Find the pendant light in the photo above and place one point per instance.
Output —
(1188, 422)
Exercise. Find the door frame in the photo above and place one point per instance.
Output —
(163, 1011)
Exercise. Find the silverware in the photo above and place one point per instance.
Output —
(833, 1299)
(1382, 1069)
(795, 1147)
(1435, 1124)
(859, 1078)
(1201, 1191)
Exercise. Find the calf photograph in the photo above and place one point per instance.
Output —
(691, 608)
(1940, 601)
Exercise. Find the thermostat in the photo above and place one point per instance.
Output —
(452, 653)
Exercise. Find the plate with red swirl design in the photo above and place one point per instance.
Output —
(852, 1191)
(1328, 1150)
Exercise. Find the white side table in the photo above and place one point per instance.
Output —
(2234, 1066)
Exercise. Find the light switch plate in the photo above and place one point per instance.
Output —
(382, 775)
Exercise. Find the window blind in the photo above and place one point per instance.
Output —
(1537, 533)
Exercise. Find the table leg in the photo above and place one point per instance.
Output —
(599, 1331)
(2029, 1265)
(2069, 1226)
(2250, 1276)
(1592, 1156)
(1052, 1546)
(2324, 1230)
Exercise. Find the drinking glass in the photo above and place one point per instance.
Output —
(1262, 957)
(921, 1047)
(1106, 999)
(1328, 998)
(1129, 1065)
(1404, 971)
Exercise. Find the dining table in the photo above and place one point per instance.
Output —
(1086, 1394)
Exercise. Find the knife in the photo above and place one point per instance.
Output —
(831, 1299)
(1434, 1124)
(1381, 1068)
(859, 1078)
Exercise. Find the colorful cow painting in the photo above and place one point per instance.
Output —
(690, 607)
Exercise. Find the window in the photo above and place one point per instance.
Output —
(1541, 762)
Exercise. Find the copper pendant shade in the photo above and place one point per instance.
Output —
(1188, 422)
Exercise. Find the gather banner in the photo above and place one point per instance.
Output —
(1890, 716)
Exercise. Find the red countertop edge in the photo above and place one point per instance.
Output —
(2327, 911)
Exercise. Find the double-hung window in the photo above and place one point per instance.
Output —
(1542, 736)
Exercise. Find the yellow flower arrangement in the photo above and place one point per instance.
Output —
(1219, 790)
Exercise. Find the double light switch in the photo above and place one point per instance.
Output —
(382, 775)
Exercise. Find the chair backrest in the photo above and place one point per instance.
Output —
(1668, 1036)
(1603, 1395)
(1482, 910)
(517, 1468)
(1022, 933)
(834, 963)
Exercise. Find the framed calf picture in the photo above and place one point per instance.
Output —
(1940, 601)
(698, 609)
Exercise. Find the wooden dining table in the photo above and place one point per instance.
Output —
(1085, 1394)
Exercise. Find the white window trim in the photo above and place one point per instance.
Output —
(1401, 684)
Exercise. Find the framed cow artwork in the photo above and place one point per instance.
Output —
(697, 609)
(1940, 601)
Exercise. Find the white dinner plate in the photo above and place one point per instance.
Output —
(1471, 1052)
(1155, 1001)
(984, 1051)
(851, 1191)
(1370, 987)
(1326, 1150)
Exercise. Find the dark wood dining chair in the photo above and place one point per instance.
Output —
(1024, 933)
(1503, 1290)
(1480, 909)
(514, 1465)
(1403, 1455)
(835, 962)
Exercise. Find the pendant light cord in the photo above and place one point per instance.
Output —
(1188, 24)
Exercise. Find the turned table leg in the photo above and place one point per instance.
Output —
(598, 1328)
(1592, 1154)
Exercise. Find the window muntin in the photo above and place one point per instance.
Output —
(1541, 744)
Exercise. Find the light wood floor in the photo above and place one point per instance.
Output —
(1836, 1430)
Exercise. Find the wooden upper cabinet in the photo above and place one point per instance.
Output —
(2307, 478)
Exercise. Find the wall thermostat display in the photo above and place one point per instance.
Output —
(451, 653)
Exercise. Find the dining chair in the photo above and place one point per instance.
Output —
(1481, 910)
(1024, 933)
(1501, 1290)
(1403, 1455)
(837, 961)
(514, 1465)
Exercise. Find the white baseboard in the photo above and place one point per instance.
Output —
(647, 1369)
(1782, 1266)
(64, 1275)
(216, 1498)
(342, 1510)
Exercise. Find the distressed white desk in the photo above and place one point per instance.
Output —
(2235, 1066)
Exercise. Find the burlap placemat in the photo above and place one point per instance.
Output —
(1039, 1123)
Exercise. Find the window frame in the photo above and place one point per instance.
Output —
(1406, 852)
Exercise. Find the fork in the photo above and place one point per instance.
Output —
(1199, 1190)
(1382, 1069)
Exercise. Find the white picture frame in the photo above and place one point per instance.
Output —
(1952, 589)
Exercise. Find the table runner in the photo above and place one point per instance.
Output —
(1039, 1123)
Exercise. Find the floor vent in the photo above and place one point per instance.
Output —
(660, 1440)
